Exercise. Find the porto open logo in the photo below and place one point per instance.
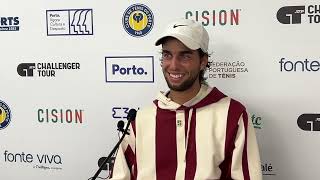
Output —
(138, 20)
(5, 115)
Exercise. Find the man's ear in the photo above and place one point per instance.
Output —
(204, 62)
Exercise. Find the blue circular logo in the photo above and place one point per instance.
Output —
(138, 20)
(5, 115)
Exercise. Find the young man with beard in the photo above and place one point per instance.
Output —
(193, 131)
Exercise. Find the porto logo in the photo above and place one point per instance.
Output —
(138, 20)
(309, 122)
(215, 17)
(299, 14)
(5, 115)
(69, 22)
(9, 23)
(130, 69)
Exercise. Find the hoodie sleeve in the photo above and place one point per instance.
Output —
(125, 162)
(245, 157)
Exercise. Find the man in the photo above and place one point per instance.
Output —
(193, 131)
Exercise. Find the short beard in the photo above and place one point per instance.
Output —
(185, 85)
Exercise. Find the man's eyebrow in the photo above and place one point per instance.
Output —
(164, 50)
(186, 52)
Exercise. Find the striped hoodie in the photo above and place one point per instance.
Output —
(207, 138)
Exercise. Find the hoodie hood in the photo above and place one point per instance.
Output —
(206, 95)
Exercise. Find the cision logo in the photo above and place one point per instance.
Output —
(129, 69)
(45, 69)
(5, 115)
(299, 14)
(69, 22)
(305, 65)
(9, 23)
(41, 161)
(138, 20)
(226, 69)
(256, 121)
(268, 169)
(221, 17)
(309, 122)
(61, 116)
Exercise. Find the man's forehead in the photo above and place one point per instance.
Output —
(174, 44)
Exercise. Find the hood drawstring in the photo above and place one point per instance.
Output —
(188, 133)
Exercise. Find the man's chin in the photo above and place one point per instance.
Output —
(178, 87)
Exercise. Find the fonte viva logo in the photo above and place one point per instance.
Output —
(41, 161)
(303, 66)
(309, 122)
(294, 14)
(44, 69)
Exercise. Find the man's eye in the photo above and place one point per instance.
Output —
(186, 56)
(166, 55)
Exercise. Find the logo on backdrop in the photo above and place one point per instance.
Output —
(44, 69)
(69, 22)
(309, 122)
(220, 17)
(119, 112)
(5, 115)
(299, 14)
(268, 169)
(129, 69)
(256, 121)
(9, 23)
(37, 161)
(138, 20)
(60, 116)
(305, 65)
(226, 69)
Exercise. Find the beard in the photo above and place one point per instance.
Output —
(185, 85)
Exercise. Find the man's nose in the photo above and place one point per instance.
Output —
(174, 62)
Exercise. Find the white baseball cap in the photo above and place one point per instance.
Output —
(191, 33)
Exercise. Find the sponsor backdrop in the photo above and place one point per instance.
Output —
(70, 70)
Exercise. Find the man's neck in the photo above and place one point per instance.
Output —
(182, 97)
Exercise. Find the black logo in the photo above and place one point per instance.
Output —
(26, 69)
(174, 26)
(309, 122)
(290, 14)
(9, 23)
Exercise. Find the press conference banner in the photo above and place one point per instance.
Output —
(70, 70)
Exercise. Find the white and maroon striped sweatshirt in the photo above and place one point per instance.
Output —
(209, 137)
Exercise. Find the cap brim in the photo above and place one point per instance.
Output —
(184, 39)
